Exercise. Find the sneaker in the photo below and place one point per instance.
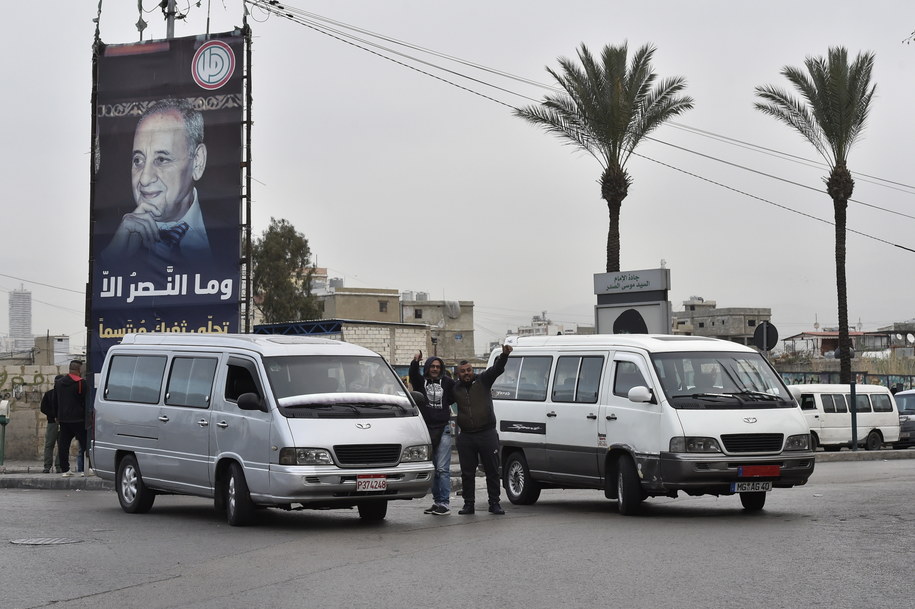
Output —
(495, 508)
(440, 510)
(467, 509)
(430, 510)
(46, 471)
(67, 474)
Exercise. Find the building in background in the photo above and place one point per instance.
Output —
(20, 320)
(542, 325)
(701, 317)
(450, 322)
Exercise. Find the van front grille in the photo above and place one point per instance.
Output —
(367, 454)
(753, 442)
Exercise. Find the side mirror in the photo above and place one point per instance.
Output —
(250, 401)
(420, 398)
(641, 395)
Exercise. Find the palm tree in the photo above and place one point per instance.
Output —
(607, 108)
(836, 101)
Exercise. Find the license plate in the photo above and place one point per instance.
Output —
(751, 487)
(371, 483)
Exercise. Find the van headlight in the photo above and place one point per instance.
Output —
(416, 453)
(798, 442)
(305, 456)
(689, 444)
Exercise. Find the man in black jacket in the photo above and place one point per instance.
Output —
(70, 398)
(49, 409)
(478, 440)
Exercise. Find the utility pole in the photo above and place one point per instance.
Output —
(170, 20)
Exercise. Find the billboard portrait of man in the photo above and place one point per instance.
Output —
(166, 214)
(169, 156)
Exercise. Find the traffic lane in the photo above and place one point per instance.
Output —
(834, 542)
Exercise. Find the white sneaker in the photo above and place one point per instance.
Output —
(83, 474)
(67, 474)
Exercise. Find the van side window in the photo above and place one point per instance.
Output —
(239, 380)
(829, 404)
(808, 402)
(627, 376)
(525, 378)
(840, 403)
(577, 379)
(862, 404)
(135, 378)
(881, 403)
(190, 381)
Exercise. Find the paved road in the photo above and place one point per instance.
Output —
(841, 541)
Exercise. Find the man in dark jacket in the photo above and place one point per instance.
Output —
(439, 393)
(49, 409)
(70, 398)
(478, 440)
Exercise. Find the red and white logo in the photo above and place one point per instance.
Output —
(213, 65)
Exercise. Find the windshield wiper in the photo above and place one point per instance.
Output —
(705, 395)
(761, 395)
(401, 406)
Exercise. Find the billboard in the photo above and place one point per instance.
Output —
(166, 213)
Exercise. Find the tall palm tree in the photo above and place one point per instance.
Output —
(606, 108)
(836, 101)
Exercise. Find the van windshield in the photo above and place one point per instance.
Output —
(335, 386)
(720, 380)
(906, 403)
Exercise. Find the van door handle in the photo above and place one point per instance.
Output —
(222, 425)
(163, 418)
(203, 422)
(551, 413)
(611, 417)
(592, 416)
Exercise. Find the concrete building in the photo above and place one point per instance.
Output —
(20, 319)
(450, 321)
(701, 317)
(370, 304)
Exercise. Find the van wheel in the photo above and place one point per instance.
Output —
(520, 488)
(814, 442)
(753, 502)
(874, 441)
(239, 507)
(133, 495)
(373, 511)
(628, 488)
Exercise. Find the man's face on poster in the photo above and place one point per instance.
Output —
(165, 167)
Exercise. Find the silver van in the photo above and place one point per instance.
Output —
(257, 420)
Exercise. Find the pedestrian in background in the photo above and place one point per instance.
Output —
(478, 440)
(70, 399)
(49, 409)
(439, 391)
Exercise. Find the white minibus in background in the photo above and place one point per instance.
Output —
(641, 416)
(827, 410)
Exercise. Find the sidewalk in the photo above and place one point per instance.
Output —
(28, 474)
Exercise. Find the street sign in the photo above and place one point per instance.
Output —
(765, 337)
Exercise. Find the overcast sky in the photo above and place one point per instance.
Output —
(400, 180)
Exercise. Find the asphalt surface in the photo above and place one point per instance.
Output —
(29, 474)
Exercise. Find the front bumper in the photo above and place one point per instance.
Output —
(713, 474)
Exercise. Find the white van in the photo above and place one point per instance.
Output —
(647, 415)
(257, 420)
(826, 408)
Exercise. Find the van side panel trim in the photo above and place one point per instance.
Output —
(523, 427)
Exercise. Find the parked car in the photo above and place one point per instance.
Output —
(905, 401)
(827, 409)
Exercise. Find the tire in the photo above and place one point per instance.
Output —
(520, 487)
(239, 507)
(373, 511)
(833, 448)
(753, 502)
(628, 487)
(133, 495)
(814, 442)
(874, 441)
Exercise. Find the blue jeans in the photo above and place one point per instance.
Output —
(441, 481)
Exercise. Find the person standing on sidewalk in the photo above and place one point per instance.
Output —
(439, 392)
(478, 440)
(70, 398)
(49, 409)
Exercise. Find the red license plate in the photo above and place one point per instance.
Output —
(371, 483)
(759, 471)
